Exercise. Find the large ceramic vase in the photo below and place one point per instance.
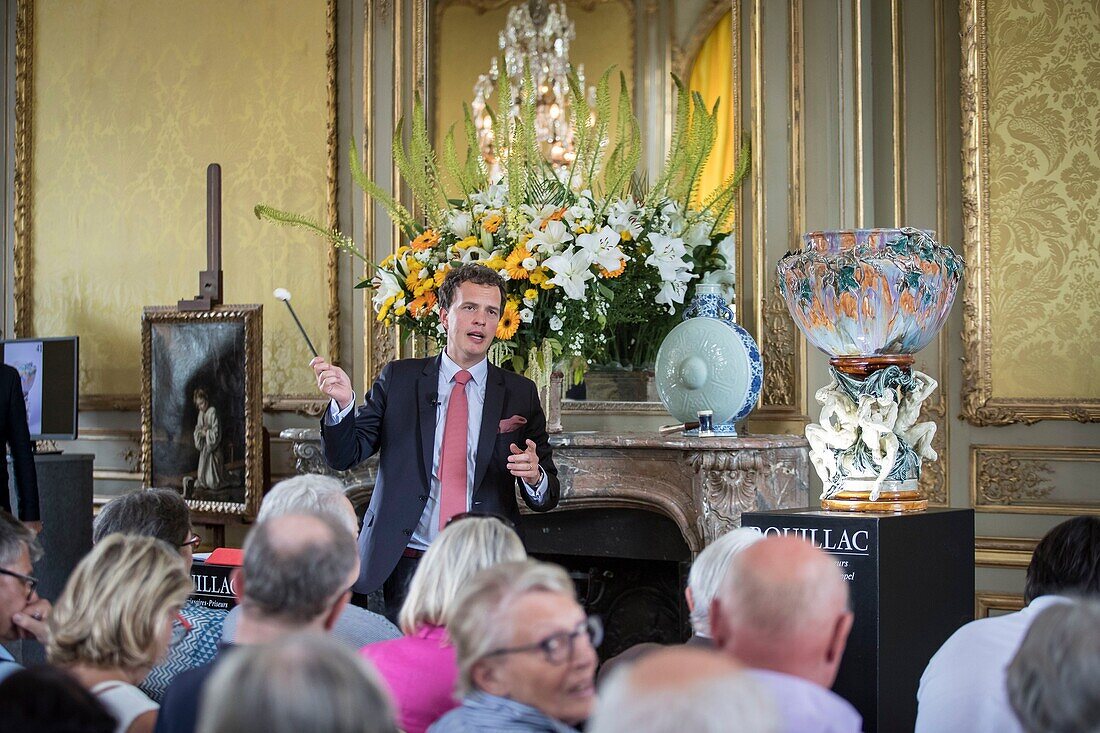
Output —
(871, 299)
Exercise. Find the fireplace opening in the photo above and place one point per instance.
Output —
(629, 566)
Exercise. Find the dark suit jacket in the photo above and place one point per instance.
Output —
(398, 419)
(179, 710)
(15, 433)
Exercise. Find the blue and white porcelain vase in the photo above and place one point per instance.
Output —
(708, 362)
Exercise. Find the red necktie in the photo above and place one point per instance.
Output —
(452, 462)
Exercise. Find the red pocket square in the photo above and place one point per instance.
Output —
(512, 423)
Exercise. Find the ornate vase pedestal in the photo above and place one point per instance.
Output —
(856, 494)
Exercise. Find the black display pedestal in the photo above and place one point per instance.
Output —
(912, 586)
(65, 501)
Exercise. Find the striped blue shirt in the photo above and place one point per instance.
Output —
(481, 712)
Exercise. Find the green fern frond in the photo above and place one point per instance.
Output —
(476, 171)
(453, 169)
(398, 213)
(623, 161)
(423, 157)
(299, 221)
(600, 128)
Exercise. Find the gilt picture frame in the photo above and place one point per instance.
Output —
(202, 406)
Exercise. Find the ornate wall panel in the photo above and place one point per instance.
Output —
(1034, 479)
(778, 200)
(131, 101)
(1031, 164)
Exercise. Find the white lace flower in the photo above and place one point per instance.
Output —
(529, 264)
(527, 315)
(556, 324)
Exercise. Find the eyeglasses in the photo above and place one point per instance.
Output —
(482, 515)
(558, 648)
(180, 628)
(30, 582)
(193, 542)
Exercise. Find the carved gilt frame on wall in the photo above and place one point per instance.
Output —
(23, 247)
(979, 406)
(153, 400)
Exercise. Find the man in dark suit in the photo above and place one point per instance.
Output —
(15, 433)
(455, 434)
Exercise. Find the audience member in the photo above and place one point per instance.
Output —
(683, 689)
(1054, 680)
(22, 613)
(297, 573)
(302, 682)
(419, 669)
(48, 700)
(163, 514)
(526, 652)
(316, 494)
(782, 610)
(115, 619)
(963, 687)
(705, 577)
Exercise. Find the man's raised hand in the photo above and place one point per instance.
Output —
(333, 382)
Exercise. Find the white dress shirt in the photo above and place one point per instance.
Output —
(963, 687)
(428, 527)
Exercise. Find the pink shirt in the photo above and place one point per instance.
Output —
(420, 673)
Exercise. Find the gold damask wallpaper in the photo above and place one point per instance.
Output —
(1044, 198)
(132, 100)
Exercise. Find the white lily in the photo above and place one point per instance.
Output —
(388, 287)
(573, 269)
(673, 291)
(603, 248)
(697, 235)
(668, 256)
(460, 223)
(625, 216)
(552, 239)
(493, 197)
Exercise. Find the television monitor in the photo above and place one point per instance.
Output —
(48, 370)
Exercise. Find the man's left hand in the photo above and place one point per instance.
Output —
(524, 464)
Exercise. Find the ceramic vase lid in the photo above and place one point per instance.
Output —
(708, 364)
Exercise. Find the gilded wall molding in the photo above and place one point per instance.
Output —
(1003, 552)
(21, 189)
(979, 406)
(933, 477)
(1020, 479)
(988, 604)
(780, 352)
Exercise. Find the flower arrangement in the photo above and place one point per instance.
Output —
(597, 265)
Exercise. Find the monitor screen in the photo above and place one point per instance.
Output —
(48, 372)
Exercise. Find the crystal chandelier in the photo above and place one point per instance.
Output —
(536, 36)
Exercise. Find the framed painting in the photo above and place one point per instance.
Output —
(201, 406)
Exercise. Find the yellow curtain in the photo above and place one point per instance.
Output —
(712, 77)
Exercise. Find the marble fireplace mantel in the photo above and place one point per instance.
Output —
(701, 484)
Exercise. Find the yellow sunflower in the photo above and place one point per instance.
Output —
(513, 265)
(509, 322)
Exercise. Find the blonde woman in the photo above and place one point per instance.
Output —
(419, 668)
(115, 620)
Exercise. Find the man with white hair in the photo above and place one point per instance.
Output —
(783, 611)
(324, 496)
(705, 577)
(526, 653)
(683, 689)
